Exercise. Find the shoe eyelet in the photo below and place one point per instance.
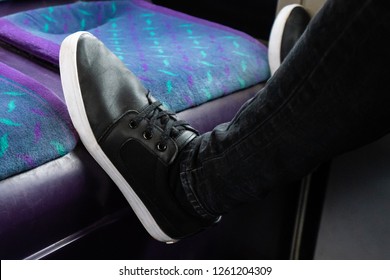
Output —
(147, 135)
(161, 147)
(133, 124)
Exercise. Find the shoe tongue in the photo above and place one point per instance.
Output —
(163, 120)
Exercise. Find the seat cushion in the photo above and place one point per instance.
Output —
(34, 124)
(183, 60)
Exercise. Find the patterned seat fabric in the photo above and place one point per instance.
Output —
(184, 61)
(34, 124)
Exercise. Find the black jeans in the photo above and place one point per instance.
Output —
(330, 95)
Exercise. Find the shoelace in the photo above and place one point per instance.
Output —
(168, 122)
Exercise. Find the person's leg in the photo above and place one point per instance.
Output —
(331, 95)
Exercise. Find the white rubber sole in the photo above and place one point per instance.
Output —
(275, 40)
(75, 104)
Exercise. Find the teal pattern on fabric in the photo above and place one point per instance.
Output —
(34, 125)
(183, 60)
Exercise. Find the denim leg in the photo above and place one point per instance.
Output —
(330, 95)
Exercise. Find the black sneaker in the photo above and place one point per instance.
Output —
(129, 134)
(288, 27)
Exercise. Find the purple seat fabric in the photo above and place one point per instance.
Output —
(184, 61)
(34, 124)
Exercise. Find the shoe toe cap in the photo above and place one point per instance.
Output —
(108, 88)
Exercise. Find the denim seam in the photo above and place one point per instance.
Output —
(191, 194)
